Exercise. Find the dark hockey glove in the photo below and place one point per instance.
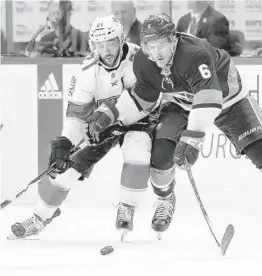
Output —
(188, 147)
(60, 154)
(105, 116)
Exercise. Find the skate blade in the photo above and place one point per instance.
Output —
(124, 233)
(127, 238)
(12, 237)
(159, 235)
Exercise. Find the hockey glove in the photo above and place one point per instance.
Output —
(60, 154)
(105, 116)
(188, 147)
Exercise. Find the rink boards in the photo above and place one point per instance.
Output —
(33, 103)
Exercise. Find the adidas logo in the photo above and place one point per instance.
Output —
(50, 89)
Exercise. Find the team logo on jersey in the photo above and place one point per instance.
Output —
(50, 90)
(113, 81)
(167, 83)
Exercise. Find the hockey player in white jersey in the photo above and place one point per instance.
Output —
(103, 76)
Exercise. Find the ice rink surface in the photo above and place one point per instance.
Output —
(231, 192)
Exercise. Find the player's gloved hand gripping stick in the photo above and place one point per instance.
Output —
(188, 146)
(104, 117)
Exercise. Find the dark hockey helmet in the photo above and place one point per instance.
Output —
(157, 26)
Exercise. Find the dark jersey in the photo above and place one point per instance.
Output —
(194, 79)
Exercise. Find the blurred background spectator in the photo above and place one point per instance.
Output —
(3, 43)
(235, 26)
(57, 37)
(204, 21)
(125, 12)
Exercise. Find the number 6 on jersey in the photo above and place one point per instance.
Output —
(204, 71)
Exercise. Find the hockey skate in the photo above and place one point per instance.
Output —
(124, 218)
(31, 226)
(163, 214)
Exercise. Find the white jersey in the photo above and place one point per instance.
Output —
(93, 85)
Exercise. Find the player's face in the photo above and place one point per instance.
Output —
(108, 50)
(161, 51)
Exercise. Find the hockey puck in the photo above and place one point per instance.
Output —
(106, 250)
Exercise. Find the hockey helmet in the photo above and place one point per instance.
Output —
(105, 28)
(157, 26)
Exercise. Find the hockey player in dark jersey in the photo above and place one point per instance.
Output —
(199, 86)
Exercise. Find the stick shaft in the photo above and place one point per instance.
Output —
(204, 212)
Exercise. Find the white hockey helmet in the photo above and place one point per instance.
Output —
(105, 28)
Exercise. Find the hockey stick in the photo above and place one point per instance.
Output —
(107, 134)
(229, 233)
(38, 178)
(80, 146)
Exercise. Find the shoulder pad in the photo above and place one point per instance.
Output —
(88, 61)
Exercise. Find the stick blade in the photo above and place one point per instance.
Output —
(5, 203)
(228, 235)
